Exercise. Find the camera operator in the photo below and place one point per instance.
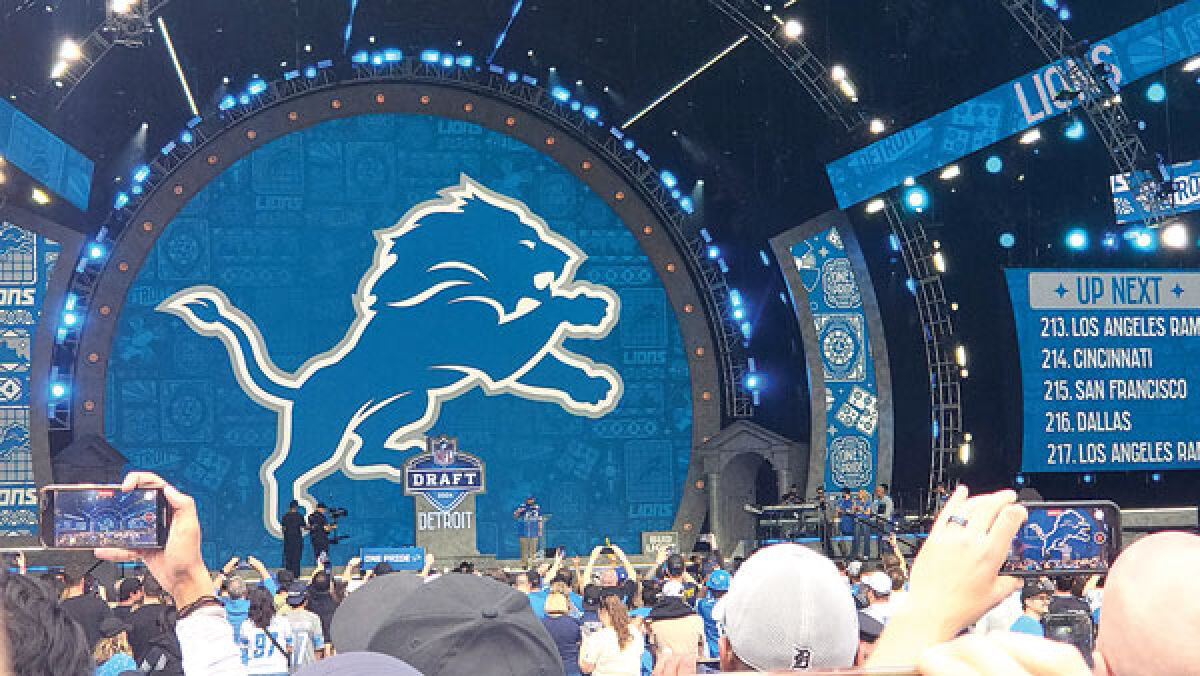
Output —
(319, 529)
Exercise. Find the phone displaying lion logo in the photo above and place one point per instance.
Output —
(470, 289)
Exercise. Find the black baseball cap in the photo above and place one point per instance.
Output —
(676, 565)
(127, 587)
(461, 624)
(1033, 587)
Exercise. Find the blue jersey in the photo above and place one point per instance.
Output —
(712, 629)
(847, 519)
(1027, 625)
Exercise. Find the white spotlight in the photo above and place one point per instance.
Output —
(1192, 65)
(877, 126)
(793, 29)
(1030, 137)
(837, 73)
(875, 206)
(122, 6)
(69, 51)
(964, 453)
(960, 355)
(59, 69)
(1175, 236)
(939, 261)
(951, 172)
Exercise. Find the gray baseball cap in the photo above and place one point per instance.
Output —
(788, 608)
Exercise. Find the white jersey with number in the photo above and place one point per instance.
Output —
(307, 636)
(259, 653)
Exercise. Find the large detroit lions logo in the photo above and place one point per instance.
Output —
(1069, 526)
(471, 289)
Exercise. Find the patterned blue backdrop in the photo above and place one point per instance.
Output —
(26, 261)
(265, 264)
(851, 394)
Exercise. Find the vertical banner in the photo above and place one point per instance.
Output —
(844, 348)
(26, 260)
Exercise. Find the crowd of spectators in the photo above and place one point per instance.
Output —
(786, 607)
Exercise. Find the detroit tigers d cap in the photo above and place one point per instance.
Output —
(463, 624)
(787, 608)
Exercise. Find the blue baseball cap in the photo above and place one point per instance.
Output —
(719, 580)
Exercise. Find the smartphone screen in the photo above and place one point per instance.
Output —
(103, 516)
(1065, 538)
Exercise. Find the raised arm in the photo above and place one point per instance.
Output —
(587, 570)
(630, 571)
(348, 571)
(554, 567)
(428, 564)
(268, 581)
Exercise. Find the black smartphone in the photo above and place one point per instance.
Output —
(85, 516)
(1065, 538)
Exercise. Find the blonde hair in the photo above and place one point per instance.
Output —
(107, 647)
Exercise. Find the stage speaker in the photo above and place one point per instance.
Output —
(88, 459)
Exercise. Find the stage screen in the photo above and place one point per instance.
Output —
(364, 300)
(1108, 358)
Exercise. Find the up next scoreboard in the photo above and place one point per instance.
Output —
(1108, 362)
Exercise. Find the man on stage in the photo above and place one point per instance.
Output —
(318, 532)
(529, 517)
(293, 537)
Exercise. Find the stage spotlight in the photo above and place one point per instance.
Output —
(714, 251)
(939, 261)
(361, 56)
(916, 199)
(393, 55)
(994, 164)
(1156, 477)
(1142, 238)
(187, 136)
(688, 205)
(1192, 65)
(59, 69)
(227, 102)
(465, 61)
(747, 330)
(1175, 236)
(705, 235)
(960, 355)
(1052, 4)
(39, 196)
(629, 144)
(911, 285)
(1109, 241)
(244, 99)
(1075, 130)
(739, 313)
(875, 206)
(591, 112)
(69, 51)
(448, 61)
(735, 297)
(431, 56)
(96, 251)
(121, 200)
(793, 29)
(877, 126)
(1077, 239)
(837, 73)
(950, 173)
(1019, 481)
(141, 174)
(122, 6)
(894, 242)
(1156, 92)
(1008, 240)
(755, 381)
(256, 87)
(69, 318)
(964, 453)
(668, 179)
(1030, 137)
(560, 93)
(1064, 14)
(576, 106)
(1089, 478)
(310, 72)
(58, 390)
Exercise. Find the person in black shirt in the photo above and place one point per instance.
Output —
(86, 607)
(1063, 601)
(152, 638)
(293, 537)
(318, 532)
(129, 597)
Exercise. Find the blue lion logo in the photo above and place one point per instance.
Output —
(471, 289)
(1068, 526)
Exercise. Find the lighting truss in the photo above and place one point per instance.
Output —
(933, 310)
(1100, 102)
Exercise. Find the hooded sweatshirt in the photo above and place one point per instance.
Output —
(676, 627)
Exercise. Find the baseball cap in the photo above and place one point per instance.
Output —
(879, 582)
(1033, 587)
(127, 587)
(719, 580)
(854, 567)
(370, 606)
(460, 624)
(591, 596)
(296, 593)
(787, 608)
(358, 664)
(675, 565)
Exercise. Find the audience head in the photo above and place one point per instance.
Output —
(650, 592)
(382, 568)
(293, 506)
(237, 587)
(898, 579)
(114, 639)
(1035, 598)
(608, 578)
(455, 624)
(521, 582)
(535, 580)
(129, 590)
(284, 577)
(320, 583)
(718, 582)
(1064, 583)
(675, 566)
(1150, 621)
(787, 608)
(466, 567)
(42, 639)
(262, 607)
(297, 594)
(879, 587)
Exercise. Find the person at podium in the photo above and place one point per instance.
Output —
(529, 521)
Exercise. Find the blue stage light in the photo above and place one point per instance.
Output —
(894, 242)
(96, 251)
(325, 63)
(576, 106)
(1020, 480)
(431, 56)
(1064, 14)
(227, 102)
(739, 313)
(560, 93)
(591, 112)
(448, 61)
(916, 199)
(393, 55)
(167, 149)
(642, 155)
(1077, 239)
(676, 193)
(529, 80)
(310, 72)
(244, 99)
(755, 381)
(1052, 4)
(705, 235)
(668, 179)
(1143, 238)
(512, 76)
(141, 174)
(121, 200)
(1156, 477)
(137, 189)
(1008, 240)
(747, 330)
(187, 137)
(911, 285)
(69, 318)
(735, 297)
(291, 75)
(1156, 92)
(377, 59)
(1075, 130)
(361, 56)
(994, 164)
(1109, 242)
(465, 61)
(687, 205)
(723, 265)
(256, 87)
(629, 144)
(58, 390)
(714, 251)
(1089, 478)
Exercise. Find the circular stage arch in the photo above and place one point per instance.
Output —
(280, 216)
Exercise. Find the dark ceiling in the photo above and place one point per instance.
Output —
(744, 126)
